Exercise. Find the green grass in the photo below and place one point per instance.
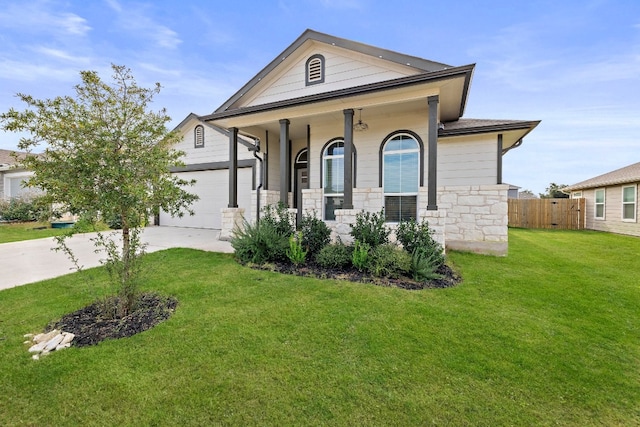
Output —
(27, 231)
(549, 335)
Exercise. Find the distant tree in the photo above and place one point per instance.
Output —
(554, 191)
(527, 194)
(107, 157)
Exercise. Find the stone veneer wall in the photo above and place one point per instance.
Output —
(231, 218)
(469, 218)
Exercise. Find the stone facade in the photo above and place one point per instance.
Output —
(469, 218)
(231, 218)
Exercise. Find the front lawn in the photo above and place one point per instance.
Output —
(27, 231)
(549, 335)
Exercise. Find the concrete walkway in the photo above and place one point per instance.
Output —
(34, 260)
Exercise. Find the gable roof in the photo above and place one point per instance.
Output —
(623, 175)
(420, 64)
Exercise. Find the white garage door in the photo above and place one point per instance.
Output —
(213, 189)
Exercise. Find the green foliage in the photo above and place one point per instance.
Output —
(279, 219)
(389, 260)
(360, 255)
(424, 265)
(259, 243)
(316, 234)
(296, 253)
(416, 236)
(370, 228)
(554, 191)
(107, 156)
(25, 208)
(335, 255)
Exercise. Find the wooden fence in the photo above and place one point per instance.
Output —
(561, 214)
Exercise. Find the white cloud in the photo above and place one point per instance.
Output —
(136, 21)
(36, 17)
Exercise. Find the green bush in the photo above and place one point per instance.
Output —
(296, 253)
(335, 255)
(389, 261)
(360, 255)
(370, 229)
(315, 234)
(25, 208)
(424, 265)
(259, 243)
(279, 219)
(419, 237)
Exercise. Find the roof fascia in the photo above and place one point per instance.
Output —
(352, 91)
(504, 127)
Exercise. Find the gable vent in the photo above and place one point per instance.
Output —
(315, 70)
(198, 136)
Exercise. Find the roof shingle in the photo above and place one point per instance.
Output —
(623, 175)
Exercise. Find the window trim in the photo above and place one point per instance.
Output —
(595, 204)
(307, 71)
(322, 159)
(576, 195)
(419, 149)
(634, 203)
(196, 142)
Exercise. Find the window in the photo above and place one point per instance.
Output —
(629, 203)
(315, 70)
(198, 136)
(333, 178)
(576, 195)
(401, 177)
(600, 201)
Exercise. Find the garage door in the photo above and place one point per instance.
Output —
(213, 189)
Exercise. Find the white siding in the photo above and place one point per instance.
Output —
(612, 221)
(468, 161)
(216, 146)
(343, 69)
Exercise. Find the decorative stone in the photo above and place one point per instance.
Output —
(35, 357)
(68, 337)
(27, 336)
(63, 346)
(53, 342)
(48, 336)
(37, 348)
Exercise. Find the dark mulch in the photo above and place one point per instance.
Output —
(90, 325)
(449, 277)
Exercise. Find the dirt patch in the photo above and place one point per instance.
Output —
(91, 326)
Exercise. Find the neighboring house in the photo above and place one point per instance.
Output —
(611, 200)
(395, 118)
(12, 175)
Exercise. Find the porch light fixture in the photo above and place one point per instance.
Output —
(360, 126)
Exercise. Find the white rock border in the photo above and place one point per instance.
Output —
(45, 343)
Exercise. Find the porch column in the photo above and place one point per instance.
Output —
(348, 159)
(233, 168)
(432, 184)
(499, 159)
(285, 167)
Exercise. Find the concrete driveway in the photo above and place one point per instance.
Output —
(34, 260)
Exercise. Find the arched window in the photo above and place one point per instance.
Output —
(401, 154)
(333, 178)
(198, 136)
(315, 70)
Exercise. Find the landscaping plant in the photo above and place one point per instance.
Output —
(416, 236)
(315, 234)
(360, 255)
(370, 228)
(296, 252)
(106, 155)
(389, 260)
(335, 255)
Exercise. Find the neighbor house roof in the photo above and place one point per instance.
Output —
(623, 175)
(470, 126)
(7, 158)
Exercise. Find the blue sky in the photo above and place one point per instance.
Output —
(575, 65)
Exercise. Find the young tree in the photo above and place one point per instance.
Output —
(107, 156)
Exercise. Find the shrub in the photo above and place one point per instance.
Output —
(315, 234)
(424, 265)
(279, 219)
(259, 243)
(296, 253)
(389, 261)
(25, 208)
(419, 237)
(370, 229)
(335, 255)
(360, 256)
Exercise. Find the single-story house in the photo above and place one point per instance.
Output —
(334, 127)
(611, 200)
(12, 175)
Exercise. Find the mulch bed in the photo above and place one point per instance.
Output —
(449, 277)
(91, 327)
